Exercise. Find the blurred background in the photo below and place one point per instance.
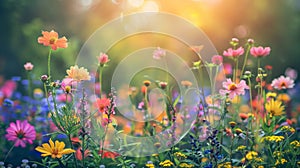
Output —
(268, 22)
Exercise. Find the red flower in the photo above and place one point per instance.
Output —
(78, 154)
(243, 116)
(109, 154)
(102, 104)
(51, 39)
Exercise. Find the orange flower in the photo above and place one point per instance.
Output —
(51, 39)
(243, 116)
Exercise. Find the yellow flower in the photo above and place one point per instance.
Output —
(281, 161)
(78, 74)
(284, 97)
(54, 150)
(185, 165)
(166, 163)
(260, 166)
(180, 155)
(251, 155)
(225, 165)
(274, 107)
(288, 129)
(150, 165)
(242, 147)
(272, 138)
(295, 144)
(271, 95)
(277, 153)
(204, 159)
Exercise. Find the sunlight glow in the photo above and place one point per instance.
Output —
(150, 6)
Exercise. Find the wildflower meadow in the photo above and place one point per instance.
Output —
(217, 110)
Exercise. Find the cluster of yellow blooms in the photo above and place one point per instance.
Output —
(185, 165)
(240, 148)
(295, 144)
(180, 155)
(273, 138)
(251, 155)
(225, 165)
(287, 129)
(166, 163)
(150, 165)
(280, 161)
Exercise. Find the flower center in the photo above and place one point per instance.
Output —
(283, 85)
(20, 134)
(232, 86)
(52, 40)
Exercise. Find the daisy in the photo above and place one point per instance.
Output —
(55, 150)
(282, 83)
(21, 133)
(233, 89)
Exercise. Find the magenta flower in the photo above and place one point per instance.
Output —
(260, 51)
(103, 58)
(159, 53)
(282, 83)
(234, 53)
(28, 66)
(233, 89)
(217, 59)
(20, 132)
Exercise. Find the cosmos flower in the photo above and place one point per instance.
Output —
(259, 52)
(78, 74)
(282, 83)
(233, 89)
(217, 59)
(28, 66)
(55, 150)
(274, 107)
(21, 133)
(51, 39)
(234, 53)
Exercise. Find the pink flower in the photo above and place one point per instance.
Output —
(28, 66)
(159, 53)
(282, 83)
(8, 88)
(103, 58)
(260, 51)
(234, 53)
(233, 89)
(292, 73)
(227, 68)
(67, 84)
(217, 59)
(20, 132)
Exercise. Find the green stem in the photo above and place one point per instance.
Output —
(246, 58)
(29, 84)
(61, 165)
(9, 152)
(100, 80)
(236, 70)
(250, 94)
(49, 61)
(72, 147)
